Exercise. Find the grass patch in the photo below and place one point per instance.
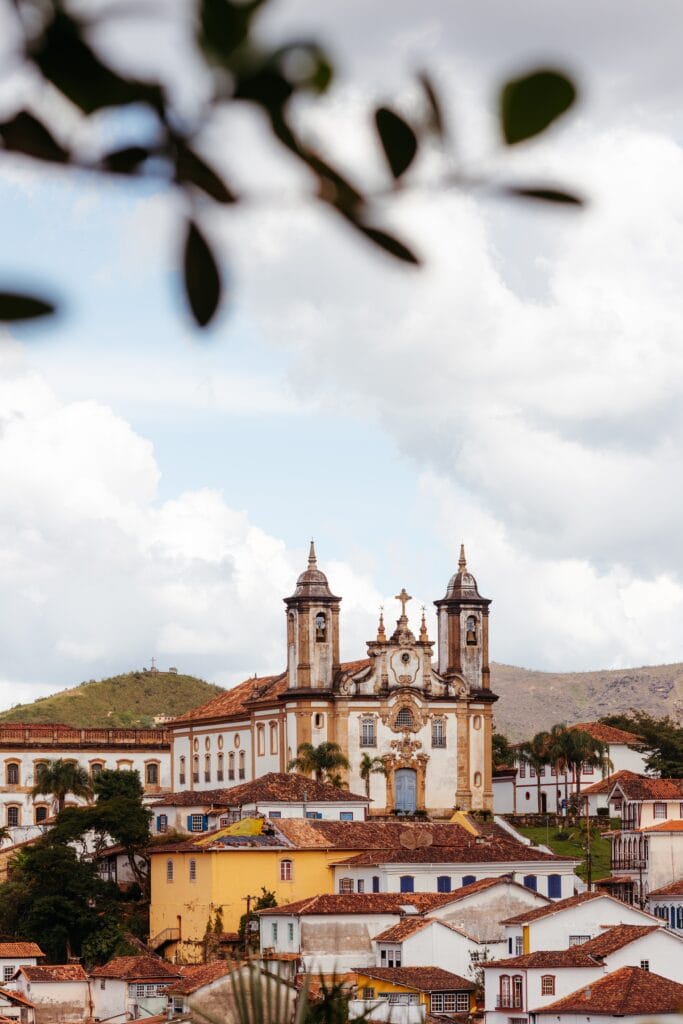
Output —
(574, 846)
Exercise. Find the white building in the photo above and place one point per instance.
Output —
(516, 789)
(666, 903)
(59, 993)
(275, 795)
(25, 747)
(129, 987)
(14, 955)
(630, 995)
(569, 922)
(15, 1007)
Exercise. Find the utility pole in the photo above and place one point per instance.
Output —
(589, 853)
(247, 922)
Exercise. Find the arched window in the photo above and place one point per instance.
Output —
(169, 870)
(242, 762)
(443, 883)
(548, 985)
(96, 768)
(219, 769)
(554, 886)
(367, 732)
(318, 720)
(40, 814)
(320, 627)
(531, 882)
(505, 991)
(468, 879)
(181, 771)
(679, 917)
(207, 767)
(476, 722)
(517, 990)
(438, 732)
(195, 768)
(12, 816)
(404, 719)
(152, 774)
(286, 870)
(193, 870)
(471, 631)
(273, 737)
(12, 774)
(231, 767)
(260, 740)
(477, 779)
(407, 883)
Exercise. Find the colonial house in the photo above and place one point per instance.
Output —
(200, 987)
(299, 858)
(17, 954)
(15, 1007)
(429, 723)
(128, 987)
(410, 995)
(23, 748)
(516, 789)
(630, 995)
(569, 922)
(666, 903)
(275, 795)
(60, 993)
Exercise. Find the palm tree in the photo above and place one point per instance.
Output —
(370, 766)
(535, 753)
(559, 751)
(585, 749)
(57, 778)
(324, 760)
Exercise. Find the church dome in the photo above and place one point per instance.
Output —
(312, 582)
(462, 584)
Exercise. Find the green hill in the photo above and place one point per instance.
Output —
(131, 699)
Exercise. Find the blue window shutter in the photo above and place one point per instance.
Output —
(205, 822)
(531, 882)
(189, 823)
(443, 883)
(554, 886)
(510, 945)
(468, 879)
(407, 883)
(158, 823)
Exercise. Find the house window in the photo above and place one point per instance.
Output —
(476, 722)
(231, 767)
(196, 823)
(152, 774)
(519, 945)
(367, 732)
(548, 985)
(531, 882)
(404, 719)
(577, 940)
(645, 965)
(407, 883)
(477, 779)
(273, 737)
(554, 886)
(260, 740)
(290, 932)
(207, 768)
(162, 823)
(12, 817)
(285, 870)
(181, 771)
(438, 732)
(659, 809)
(315, 815)
(320, 625)
(471, 631)
(468, 879)
(345, 885)
(273, 933)
(241, 767)
(318, 720)
(7, 973)
(375, 883)
(587, 768)
(368, 993)
(390, 956)
(360, 885)
(40, 815)
(449, 1002)
(443, 883)
(96, 769)
(169, 870)
(346, 815)
(12, 774)
(195, 768)
(219, 769)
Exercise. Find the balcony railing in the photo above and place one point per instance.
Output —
(628, 864)
(510, 1001)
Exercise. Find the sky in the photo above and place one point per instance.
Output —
(520, 393)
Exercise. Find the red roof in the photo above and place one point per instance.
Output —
(626, 992)
(423, 979)
(406, 927)
(12, 949)
(52, 972)
(15, 997)
(607, 784)
(608, 733)
(536, 913)
(145, 967)
(673, 825)
(586, 954)
(196, 976)
(642, 787)
(274, 787)
(673, 889)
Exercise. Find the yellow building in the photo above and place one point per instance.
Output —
(439, 991)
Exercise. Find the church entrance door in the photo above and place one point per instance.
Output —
(405, 782)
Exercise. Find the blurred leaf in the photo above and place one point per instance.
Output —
(191, 168)
(16, 306)
(333, 188)
(389, 244)
(436, 121)
(265, 85)
(202, 276)
(548, 195)
(125, 161)
(398, 140)
(529, 104)
(25, 134)
(305, 65)
(223, 26)
(67, 61)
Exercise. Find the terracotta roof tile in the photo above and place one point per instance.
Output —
(673, 889)
(274, 787)
(361, 903)
(628, 991)
(15, 997)
(53, 972)
(133, 968)
(641, 787)
(586, 954)
(195, 976)
(406, 927)
(606, 785)
(233, 703)
(536, 913)
(20, 949)
(423, 979)
(673, 825)
(612, 939)
(608, 733)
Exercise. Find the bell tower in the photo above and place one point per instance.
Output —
(463, 617)
(312, 630)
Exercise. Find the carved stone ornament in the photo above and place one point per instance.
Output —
(405, 702)
(347, 687)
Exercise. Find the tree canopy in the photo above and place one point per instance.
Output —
(662, 741)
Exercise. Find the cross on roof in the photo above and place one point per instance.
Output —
(403, 597)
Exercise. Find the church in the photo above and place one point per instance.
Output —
(426, 716)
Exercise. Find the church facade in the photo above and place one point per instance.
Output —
(423, 710)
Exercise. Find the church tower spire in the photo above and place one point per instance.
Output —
(312, 630)
(463, 619)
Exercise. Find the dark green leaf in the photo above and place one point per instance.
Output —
(531, 103)
(25, 134)
(191, 168)
(67, 61)
(15, 306)
(202, 276)
(125, 161)
(436, 121)
(398, 140)
(224, 25)
(333, 188)
(389, 244)
(266, 86)
(548, 195)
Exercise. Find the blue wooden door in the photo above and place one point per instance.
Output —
(406, 790)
